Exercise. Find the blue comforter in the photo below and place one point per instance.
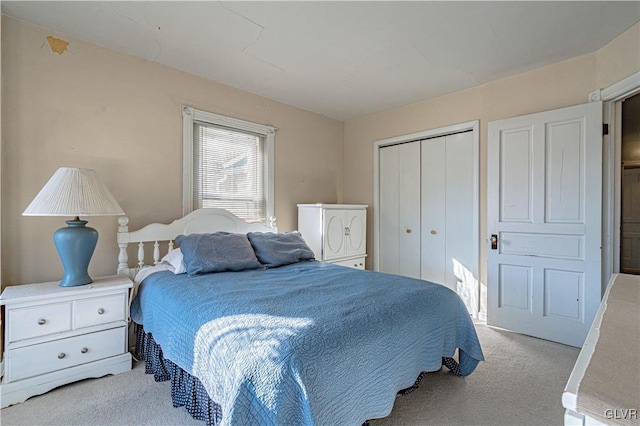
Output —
(305, 344)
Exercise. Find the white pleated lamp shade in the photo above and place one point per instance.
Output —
(74, 192)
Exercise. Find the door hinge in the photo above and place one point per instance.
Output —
(605, 129)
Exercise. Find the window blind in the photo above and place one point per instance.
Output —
(229, 170)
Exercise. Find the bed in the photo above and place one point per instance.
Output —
(288, 340)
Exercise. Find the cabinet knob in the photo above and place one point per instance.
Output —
(61, 355)
(433, 232)
(408, 231)
(42, 321)
(84, 350)
(100, 311)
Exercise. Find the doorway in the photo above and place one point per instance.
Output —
(623, 93)
(630, 187)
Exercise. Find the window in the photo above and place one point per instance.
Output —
(228, 164)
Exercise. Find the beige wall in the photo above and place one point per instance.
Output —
(563, 84)
(120, 115)
(97, 108)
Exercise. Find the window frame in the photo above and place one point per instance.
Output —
(189, 115)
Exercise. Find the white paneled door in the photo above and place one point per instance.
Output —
(544, 182)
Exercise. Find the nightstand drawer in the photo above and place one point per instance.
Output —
(99, 310)
(34, 360)
(35, 321)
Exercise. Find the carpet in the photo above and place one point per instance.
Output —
(520, 383)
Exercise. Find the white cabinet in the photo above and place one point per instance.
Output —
(56, 335)
(336, 233)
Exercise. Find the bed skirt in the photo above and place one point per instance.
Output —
(187, 391)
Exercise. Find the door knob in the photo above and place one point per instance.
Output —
(494, 242)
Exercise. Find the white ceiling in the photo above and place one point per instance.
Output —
(342, 59)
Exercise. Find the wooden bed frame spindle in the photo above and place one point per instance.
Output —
(198, 221)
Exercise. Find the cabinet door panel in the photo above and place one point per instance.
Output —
(334, 230)
(356, 240)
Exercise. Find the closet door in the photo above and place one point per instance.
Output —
(447, 212)
(433, 191)
(460, 229)
(399, 220)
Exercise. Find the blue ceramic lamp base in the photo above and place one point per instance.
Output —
(75, 245)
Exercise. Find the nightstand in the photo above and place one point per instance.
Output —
(57, 335)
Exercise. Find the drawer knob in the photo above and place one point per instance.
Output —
(100, 311)
(42, 321)
(84, 350)
(61, 355)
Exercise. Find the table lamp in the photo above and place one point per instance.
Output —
(74, 192)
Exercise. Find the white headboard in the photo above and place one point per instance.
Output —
(198, 221)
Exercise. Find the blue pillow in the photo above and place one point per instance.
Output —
(217, 252)
(275, 250)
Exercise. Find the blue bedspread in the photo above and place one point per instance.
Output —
(305, 344)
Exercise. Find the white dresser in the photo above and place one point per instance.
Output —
(336, 233)
(604, 386)
(56, 335)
